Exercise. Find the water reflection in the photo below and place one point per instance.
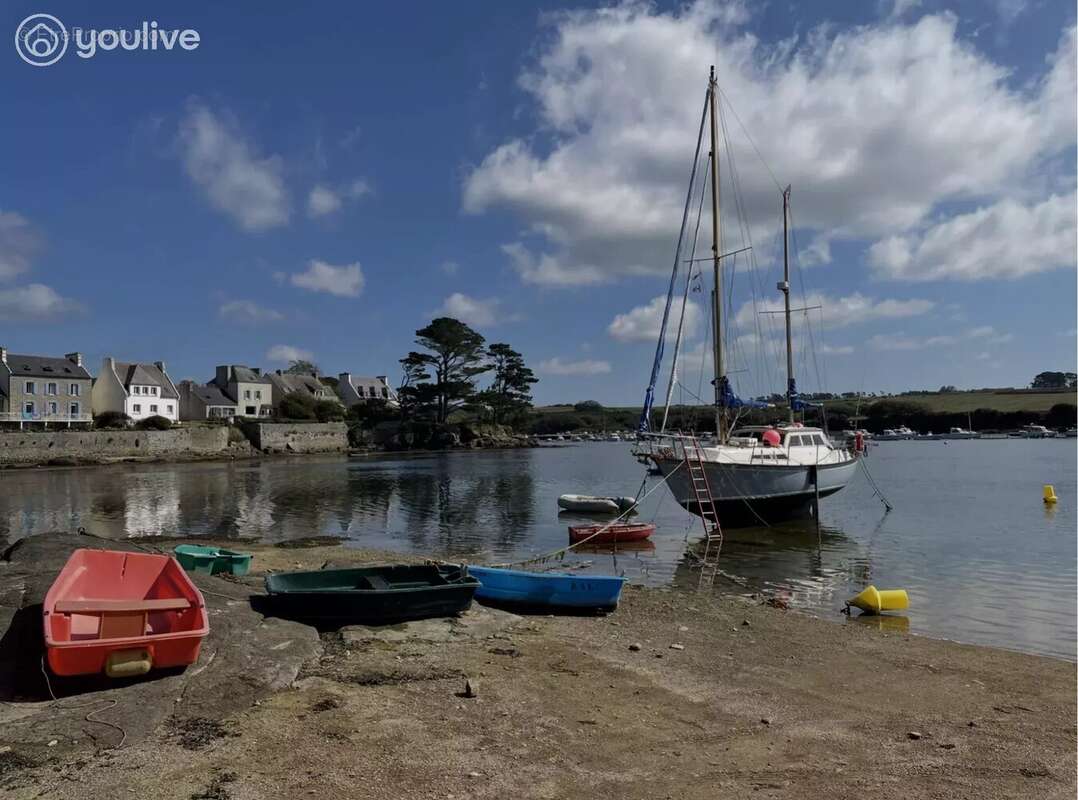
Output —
(981, 556)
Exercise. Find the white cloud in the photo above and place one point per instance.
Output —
(837, 312)
(989, 335)
(555, 366)
(236, 180)
(18, 244)
(474, 310)
(286, 353)
(900, 341)
(449, 267)
(546, 270)
(34, 301)
(1004, 240)
(248, 311)
(324, 200)
(642, 323)
(902, 7)
(835, 350)
(346, 281)
(876, 126)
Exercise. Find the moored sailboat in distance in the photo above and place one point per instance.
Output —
(754, 473)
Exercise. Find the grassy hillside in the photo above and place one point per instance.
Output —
(957, 402)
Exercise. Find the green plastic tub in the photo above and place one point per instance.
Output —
(212, 560)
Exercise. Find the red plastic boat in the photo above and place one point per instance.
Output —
(122, 614)
(617, 533)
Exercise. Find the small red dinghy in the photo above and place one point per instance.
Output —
(619, 532)
(122, 614)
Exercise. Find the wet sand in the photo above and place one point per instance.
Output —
(677, 694)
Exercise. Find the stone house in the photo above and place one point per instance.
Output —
(355, 389)
(285, 383)
(251, 391)
(44, 389)
(138, 390)
(198, 401)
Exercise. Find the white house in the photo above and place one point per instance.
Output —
(138, 390)
(356, 389)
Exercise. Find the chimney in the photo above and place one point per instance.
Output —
(75, 358)
(381, 378)
(257, 371)
(278, 372)
(345, 377)
(3, 355)
(221, 376)
(160, 365)
(108, 364)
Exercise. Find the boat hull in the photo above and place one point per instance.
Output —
(333, 598)
(748, 495)
(554, 590)
(610, 534)
(122, 614)
(212, 560)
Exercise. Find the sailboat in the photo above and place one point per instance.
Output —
(754, 474)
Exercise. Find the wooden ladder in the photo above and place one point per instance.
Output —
(705, 503)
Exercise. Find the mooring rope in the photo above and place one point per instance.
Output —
(875, 488)
(561, 551)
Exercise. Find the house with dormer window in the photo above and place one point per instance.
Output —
(138, 390)
(44, 389)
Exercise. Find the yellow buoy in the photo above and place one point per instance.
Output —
(1050, 494)
(875, 600)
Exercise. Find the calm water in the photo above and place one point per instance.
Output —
(983, 559)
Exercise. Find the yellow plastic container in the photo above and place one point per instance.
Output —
(1050, 494)
(873, 600)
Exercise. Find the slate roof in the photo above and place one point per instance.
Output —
(45, 367)
(289, 383)
(241, 374)
(145, 375)
(211, 395)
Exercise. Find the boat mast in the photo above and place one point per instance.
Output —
(784, 287)
(716, 242)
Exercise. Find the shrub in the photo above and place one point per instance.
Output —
(328, 411)
(588, 405)
(112, 419)
(154, 423)
(297, 406)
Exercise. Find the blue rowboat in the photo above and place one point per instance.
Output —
(556, 589)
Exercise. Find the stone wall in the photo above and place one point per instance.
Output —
(76, 446)
(299, 437)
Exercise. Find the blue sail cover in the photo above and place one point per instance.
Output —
(727, 398)
(796, 403)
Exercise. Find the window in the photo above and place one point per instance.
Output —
(153, 390)
(371, 392)
(73, 390)
(74, 409)
(136, 390)
(385, 392)
(169, 407)
(258, 394)
(54, 408)
(153, 409)
(28, 408)
(29, 387)
(136, 408)
(250, 411)
(818, 439)
(246, 394)
(50, 388)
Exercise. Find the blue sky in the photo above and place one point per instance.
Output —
(326, 185)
